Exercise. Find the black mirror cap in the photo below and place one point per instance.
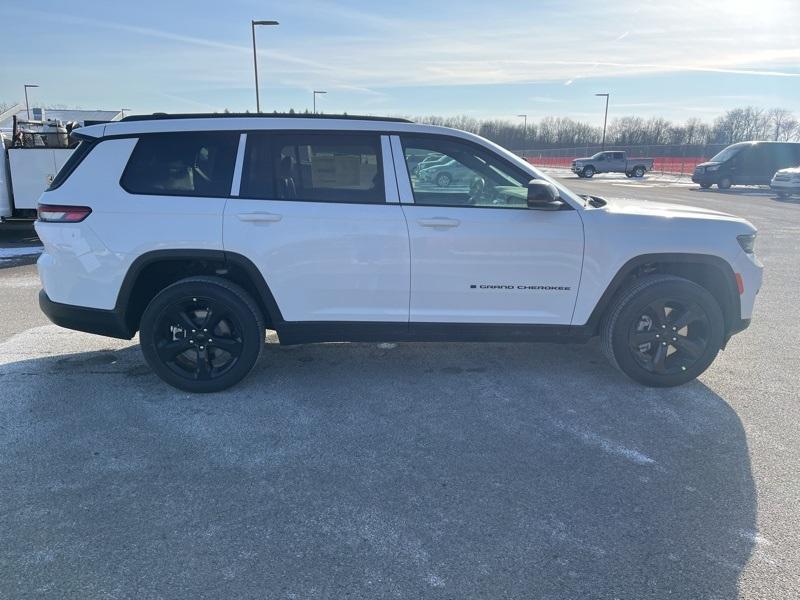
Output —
(543, 194)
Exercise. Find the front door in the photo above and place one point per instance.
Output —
(478, 253)
(314, 213)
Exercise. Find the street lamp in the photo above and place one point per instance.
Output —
(524, 133)
(605, 120)
(315, 98)
(255, 59)
(27, 108)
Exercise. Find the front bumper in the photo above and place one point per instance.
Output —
(787, 187)
(109, 323)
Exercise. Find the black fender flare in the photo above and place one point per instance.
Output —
(731, 306)
(227, 259)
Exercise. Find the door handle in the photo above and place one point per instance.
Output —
(439, 222)
(259, 217)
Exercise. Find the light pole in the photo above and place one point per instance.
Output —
(255, 59)
(122, 110)
(605, 120)
(524, 133)
(315, 98)
(27, 108)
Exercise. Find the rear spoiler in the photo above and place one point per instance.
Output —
(88, 133)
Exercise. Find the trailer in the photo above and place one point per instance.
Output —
(32, 152)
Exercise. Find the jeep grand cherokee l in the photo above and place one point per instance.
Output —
(202, 231)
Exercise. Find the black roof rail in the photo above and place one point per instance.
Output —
(168, 116)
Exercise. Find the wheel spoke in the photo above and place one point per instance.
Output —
(688, 316)
(659, 359)
(643, 337)
(203, 367)
(230, 345)
(169, 350)
(691, 348)
(659, 311)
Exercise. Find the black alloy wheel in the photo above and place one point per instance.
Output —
(202, 334)
(670, 336)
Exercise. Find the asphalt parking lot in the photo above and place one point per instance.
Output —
(409, 470)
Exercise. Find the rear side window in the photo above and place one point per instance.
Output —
(81, 151)
(336, 167)
(182, 164)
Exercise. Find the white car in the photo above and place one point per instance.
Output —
(201, 231)
(786, 182)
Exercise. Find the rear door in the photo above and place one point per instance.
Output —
(479, 254)
(318, 214)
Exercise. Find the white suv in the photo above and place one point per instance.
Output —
(201, 231)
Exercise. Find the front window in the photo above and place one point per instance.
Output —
(728, 153)
(463, 175)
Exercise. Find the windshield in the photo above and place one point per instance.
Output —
(728, 153)
(597, 156)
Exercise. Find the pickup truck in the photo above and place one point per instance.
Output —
(611, 162)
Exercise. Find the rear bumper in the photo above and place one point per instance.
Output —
(91, 320)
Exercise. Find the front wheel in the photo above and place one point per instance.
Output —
(202, 334)
(724, 183)
(705, 186)
(444, 180)
(588, 172)
(663, 331)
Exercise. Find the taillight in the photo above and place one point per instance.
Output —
(53, 213)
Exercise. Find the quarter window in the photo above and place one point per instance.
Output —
(455, 173)
(182, 164)
(313, 167)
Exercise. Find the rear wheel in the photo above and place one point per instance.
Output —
(202, 334)
(724, 183)
(588, 172)
(639, 171)
(663, 331)
(444, 180)
(783, 194)
(705, 186)
(628, 174)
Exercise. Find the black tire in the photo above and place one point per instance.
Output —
(705, 186)
(632, 334)
(783, 194)
(628, 174)
(588, 172)
(639, 171)
(724, 183)
(444, 179)
(188, 356)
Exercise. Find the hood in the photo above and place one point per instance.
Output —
(582, 158)
(665, 210)
(708, 164)
(791, 171)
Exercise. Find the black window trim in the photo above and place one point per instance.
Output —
(138, 136)
(503, 160)
(76, 157)
(358, 132)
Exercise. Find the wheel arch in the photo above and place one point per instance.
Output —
(711, 272)
(153, 271)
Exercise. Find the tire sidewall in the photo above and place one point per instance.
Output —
(678, 289)
(588, 172)
(252, 335)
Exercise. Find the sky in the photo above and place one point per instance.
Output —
(677, 59)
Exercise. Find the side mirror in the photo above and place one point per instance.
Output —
(543, 195)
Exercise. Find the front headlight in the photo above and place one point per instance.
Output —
(712, 168)
(747, 241)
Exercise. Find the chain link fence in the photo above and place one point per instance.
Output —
(671, 159)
